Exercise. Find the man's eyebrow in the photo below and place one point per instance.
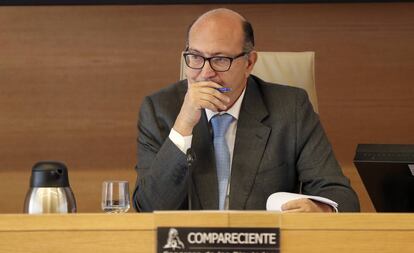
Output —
(191, 50)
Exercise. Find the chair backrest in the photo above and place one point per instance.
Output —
(288, 68)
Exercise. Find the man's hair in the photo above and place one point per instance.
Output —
(248, 36)
(247, 27)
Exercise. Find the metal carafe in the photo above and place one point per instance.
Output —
(49, 189)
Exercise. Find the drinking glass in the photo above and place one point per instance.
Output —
(115, 196)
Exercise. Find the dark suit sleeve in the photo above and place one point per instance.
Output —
(318, 169)
(161, 168)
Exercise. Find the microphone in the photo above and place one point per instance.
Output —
(191, 159)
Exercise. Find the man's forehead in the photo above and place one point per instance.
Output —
(218, 36)
(218, 21)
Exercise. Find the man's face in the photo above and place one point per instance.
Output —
(219, 37)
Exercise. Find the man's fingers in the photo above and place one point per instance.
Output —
(215, 93)
(210, 88)
(292, 205)
(305, 205)
(212, 106)
(205, 84)
(219, 104)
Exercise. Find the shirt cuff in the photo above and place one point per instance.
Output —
(182, 142)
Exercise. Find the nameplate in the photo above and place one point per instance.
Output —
(217, 240)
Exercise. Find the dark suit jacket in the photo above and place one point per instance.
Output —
(280, 145)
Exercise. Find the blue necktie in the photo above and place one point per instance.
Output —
(220, 125)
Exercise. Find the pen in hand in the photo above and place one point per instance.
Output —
(224, 89)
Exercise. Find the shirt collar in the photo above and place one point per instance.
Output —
(233, 111)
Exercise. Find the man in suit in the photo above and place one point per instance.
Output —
(274, 141)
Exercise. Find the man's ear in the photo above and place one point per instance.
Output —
(251, 60)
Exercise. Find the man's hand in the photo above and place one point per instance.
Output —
(306, 205)
(199, 95)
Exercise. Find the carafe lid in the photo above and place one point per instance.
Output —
(49, 174)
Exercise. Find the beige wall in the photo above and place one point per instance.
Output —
(72, 79)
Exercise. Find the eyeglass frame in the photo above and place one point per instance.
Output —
(231, 59)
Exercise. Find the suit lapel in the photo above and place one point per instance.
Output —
(204, 174)
(251, 139)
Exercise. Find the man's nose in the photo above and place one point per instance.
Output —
(207, 71)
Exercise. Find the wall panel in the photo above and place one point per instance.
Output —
(72, 79)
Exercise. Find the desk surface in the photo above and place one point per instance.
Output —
(365, 232)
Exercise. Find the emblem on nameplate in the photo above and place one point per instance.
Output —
(173, 242)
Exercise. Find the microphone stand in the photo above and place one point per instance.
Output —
(191, 159)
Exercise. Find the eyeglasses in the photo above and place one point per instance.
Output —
(217, 63)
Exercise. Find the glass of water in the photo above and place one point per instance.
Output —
(115, 196)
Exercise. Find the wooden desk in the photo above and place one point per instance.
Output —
(137, 232)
